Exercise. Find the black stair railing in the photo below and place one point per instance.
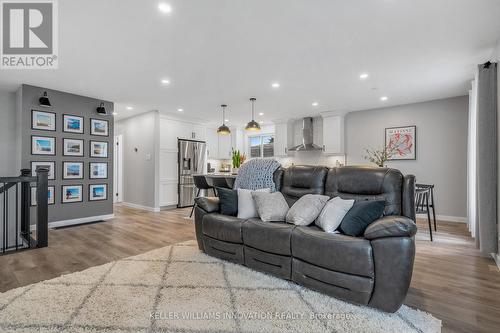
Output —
(15, 202)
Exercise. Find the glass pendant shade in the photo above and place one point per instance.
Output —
(252, 125)
(223, 129)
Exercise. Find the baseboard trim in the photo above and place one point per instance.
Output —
(64, 223)
(496, 257)
(133, 205)
(445, 218)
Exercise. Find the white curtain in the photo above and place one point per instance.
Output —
(471, 159)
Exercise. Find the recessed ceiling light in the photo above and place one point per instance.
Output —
(315, 104)
(384, 98)
(115, 113)
(164, 8)
(180, 110)
(165, 81)
(129, 108)
(363, 76)
(261, 113)
(275, 85)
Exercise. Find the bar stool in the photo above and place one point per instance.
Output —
(220, 182)
(424, 200)
(201, 183)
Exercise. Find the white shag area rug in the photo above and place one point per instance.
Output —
(179, 289)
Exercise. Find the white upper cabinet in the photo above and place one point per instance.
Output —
(333, 134)
(212, 143)
(283, 132)
(225, 148)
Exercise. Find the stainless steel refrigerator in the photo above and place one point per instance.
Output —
(192, 158)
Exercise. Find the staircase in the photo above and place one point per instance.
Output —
(16, 208)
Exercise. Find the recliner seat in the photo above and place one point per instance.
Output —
(373, 270)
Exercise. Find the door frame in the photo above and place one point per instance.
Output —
(118, 169)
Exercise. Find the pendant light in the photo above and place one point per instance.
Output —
(223, 129)
(253, 125)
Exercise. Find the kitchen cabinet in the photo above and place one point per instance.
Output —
(212, 143)
(333, 134)
(283, 137)
(225, 149)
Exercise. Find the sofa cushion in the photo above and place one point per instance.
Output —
(223, 227)
(273, 237)
(360, 216)
(305, 210)
(367, 183)
(332, 214)
(335, 252)
(228, 201)
(299, 180)
(208, 204)
(246, 204)
(272, 207)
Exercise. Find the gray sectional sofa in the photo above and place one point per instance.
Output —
(373, 270)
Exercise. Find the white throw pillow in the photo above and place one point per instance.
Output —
(332, 214)
(246, 204)
(305, 210)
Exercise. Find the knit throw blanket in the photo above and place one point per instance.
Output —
(256, 174)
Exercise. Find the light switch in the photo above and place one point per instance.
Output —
(148, 157)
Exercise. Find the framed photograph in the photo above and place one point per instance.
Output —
(72, 170)
(98, 170)
(98, 149)
(43, 120)
(99, 127)
(72, 193)
(48, 165)
(72, 124)
(43, 145)
(402, 142)
(51, 191)
(98, 192)
(72, 147)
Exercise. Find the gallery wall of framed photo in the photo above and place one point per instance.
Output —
(75, 143)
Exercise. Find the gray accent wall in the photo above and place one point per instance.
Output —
(441, 146)
(9, 148)
(140, 158)
(66, 103)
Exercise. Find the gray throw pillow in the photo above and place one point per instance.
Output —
(272, 207)
(305, 210)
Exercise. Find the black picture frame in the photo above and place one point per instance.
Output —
(90, 170)
(72, 185)
(53, 194)
(74, 132)
(90, 192)
(92, 132)
(43, 136)
(414, 145)
(42, 129)
(64, 177)
(73, 155)
(33, 173)
(91, 150)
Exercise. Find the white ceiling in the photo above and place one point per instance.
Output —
(226, 51)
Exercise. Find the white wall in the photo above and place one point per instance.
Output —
(441, 146)
(139, 167)
(9, 155)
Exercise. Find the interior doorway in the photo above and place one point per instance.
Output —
(118, 169)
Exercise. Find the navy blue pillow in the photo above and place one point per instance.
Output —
(228, 200)
(360, 216)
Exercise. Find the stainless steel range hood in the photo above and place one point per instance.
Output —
(307, 137)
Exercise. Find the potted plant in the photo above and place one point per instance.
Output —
(237, 159)
(379, 156)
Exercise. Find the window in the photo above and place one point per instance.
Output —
(261, 146)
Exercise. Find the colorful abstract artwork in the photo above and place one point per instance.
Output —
(401, 142)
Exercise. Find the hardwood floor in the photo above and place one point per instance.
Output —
(451, 279)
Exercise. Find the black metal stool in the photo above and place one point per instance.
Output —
(201, 183)
(424, 201)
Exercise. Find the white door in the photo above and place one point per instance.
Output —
(118, 169)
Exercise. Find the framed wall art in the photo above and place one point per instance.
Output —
(98, 192)
(72, 170)
(43, 120)
(73, 124)
(99, 127)
(72, 193)
(98, 149)
(50, 195)
(72, 147)
(98, 170)
(48, 165)
(43, 145)
(401, 142)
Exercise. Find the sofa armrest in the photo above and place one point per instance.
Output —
(208, 204)
(391, 226)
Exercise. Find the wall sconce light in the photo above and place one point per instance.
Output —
(100, 109)
(44, 100)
